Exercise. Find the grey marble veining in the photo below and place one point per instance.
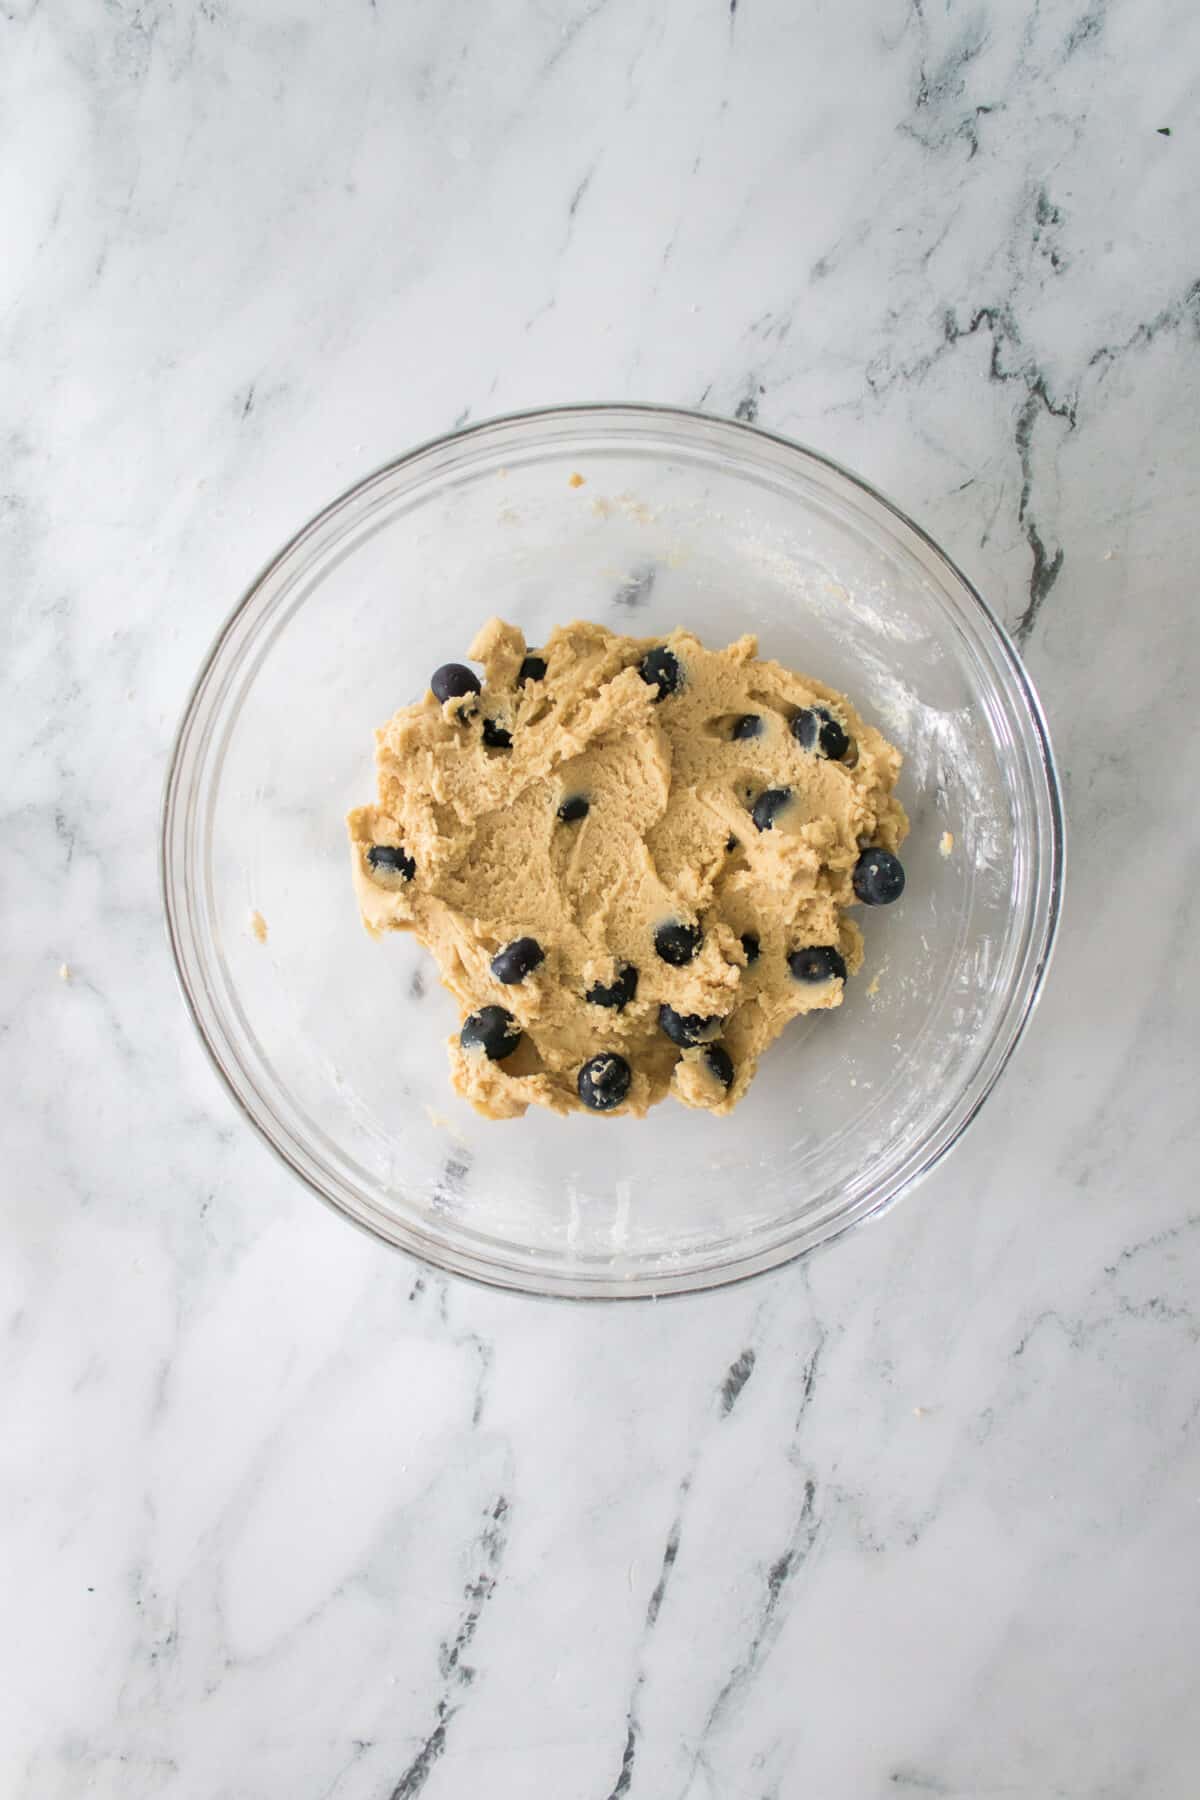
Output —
(282, 1515)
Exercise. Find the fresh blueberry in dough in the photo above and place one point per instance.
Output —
(677, 942)
(532, 669)
(815, 728)
(817, 962)
(717, 1060)
(878, 878)
(687, 1029)
(833, 739)
(619, 994)
(452, 681)
(805, 727)
(495, 736)
(393, 857)
(604, 1081)
(751, 946)
(660, 668)
(516, 960)
(768, 806)
(576, 806)
(493, 1030)
(748, 726)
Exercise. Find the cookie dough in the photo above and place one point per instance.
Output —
(632, 859)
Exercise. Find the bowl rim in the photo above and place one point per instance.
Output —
(449, 1260)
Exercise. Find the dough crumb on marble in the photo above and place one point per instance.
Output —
(258, 927)
(946, 844)
(596, 800)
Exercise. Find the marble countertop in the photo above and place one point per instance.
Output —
(283, 1516)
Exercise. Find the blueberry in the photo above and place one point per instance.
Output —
(495, 736)
(575, 806)
(768, 806)
(834, 740)
(392, 856)
(815, 728)
(686, 1029)
(532, 669)
(660, 668)
(622, 991)
(817, 962)
(720, 1067)
(805, 727)
(516, 960)
(604, 1081)
(751, 946)
(452, 681)
(878, 878)
(677, 942)
(731, 844)
(492, 1030)
(748, 726)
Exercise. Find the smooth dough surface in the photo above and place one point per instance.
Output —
(668, 836)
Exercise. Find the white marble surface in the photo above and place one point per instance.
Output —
(281, 1516)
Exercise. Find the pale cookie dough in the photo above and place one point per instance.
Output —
(477, 855)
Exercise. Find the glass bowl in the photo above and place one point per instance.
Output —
(333, 1044)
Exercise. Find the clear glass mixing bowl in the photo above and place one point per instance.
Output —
(332, 1044)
